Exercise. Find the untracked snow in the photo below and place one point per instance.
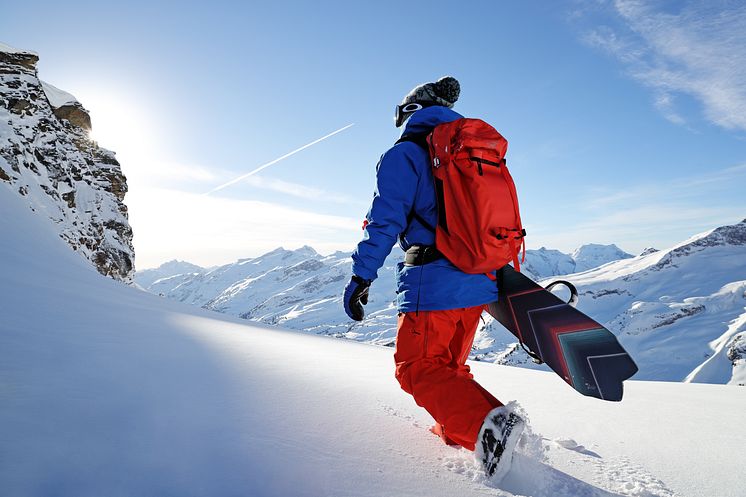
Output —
(110, 391)
(58, 98)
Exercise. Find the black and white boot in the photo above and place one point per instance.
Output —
(497, 439)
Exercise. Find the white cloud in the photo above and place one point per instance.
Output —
(662, 213)
(664, 102)
(147, 171)
(699, 51)
(208, 230)
(636, 227)
(296, 190)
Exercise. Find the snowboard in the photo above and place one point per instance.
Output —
(579, 349)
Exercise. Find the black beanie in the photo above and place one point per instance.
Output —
(443, 92)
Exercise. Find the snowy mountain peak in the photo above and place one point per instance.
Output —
(734, 234)
(544, 262)
(182, 266)
(306, 250)
(593, 255)
(727, 239)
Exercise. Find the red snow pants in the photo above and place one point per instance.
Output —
(431, 352)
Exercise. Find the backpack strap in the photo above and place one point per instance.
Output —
(419, 139)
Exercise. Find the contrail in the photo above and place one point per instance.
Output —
(264, 166)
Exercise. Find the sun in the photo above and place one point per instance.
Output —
(118, 121)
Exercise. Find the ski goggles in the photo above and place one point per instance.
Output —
(403, 111)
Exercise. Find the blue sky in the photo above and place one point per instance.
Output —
(626, 120)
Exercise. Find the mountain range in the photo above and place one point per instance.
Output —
(301, 289)
(679, 311)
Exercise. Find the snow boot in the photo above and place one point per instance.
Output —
(497, 439)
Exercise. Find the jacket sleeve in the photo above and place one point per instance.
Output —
(396, 187)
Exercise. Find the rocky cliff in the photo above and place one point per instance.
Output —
(47, 156)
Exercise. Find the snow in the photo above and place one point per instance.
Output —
(148, 277)
(594, 255)
(108, 390)
(300, 289)
(12, 50)
(58, 98)
(675, 310)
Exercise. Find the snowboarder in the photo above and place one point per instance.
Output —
(439, 305)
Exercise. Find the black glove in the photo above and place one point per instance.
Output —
(355, 297)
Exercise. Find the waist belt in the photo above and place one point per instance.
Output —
(417, 255)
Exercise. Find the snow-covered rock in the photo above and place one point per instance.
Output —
(47, 157)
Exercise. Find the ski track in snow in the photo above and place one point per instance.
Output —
(535, 470)
(534, 474)
(627, 478)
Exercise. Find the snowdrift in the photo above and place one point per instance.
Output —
(108, 390)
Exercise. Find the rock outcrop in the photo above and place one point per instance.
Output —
(47, 156)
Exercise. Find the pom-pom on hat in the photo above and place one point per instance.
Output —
(443, 92)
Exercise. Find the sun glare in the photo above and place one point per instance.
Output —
(118, 122)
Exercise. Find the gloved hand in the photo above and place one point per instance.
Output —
(355, 297)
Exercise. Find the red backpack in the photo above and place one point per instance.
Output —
(479, 224)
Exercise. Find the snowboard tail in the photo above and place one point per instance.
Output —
(579, 349)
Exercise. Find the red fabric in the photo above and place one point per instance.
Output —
(431, 352)
(479, 221)
(438, 430)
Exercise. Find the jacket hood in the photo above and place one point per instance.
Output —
(426, 119)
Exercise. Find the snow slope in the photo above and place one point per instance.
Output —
(107, 390)
(678, 311)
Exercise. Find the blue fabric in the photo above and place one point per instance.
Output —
(404, 183)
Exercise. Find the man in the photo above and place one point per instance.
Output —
(439, 305)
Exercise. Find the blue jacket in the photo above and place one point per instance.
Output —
(404, 184)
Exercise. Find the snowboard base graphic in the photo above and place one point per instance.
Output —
(580, 350)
